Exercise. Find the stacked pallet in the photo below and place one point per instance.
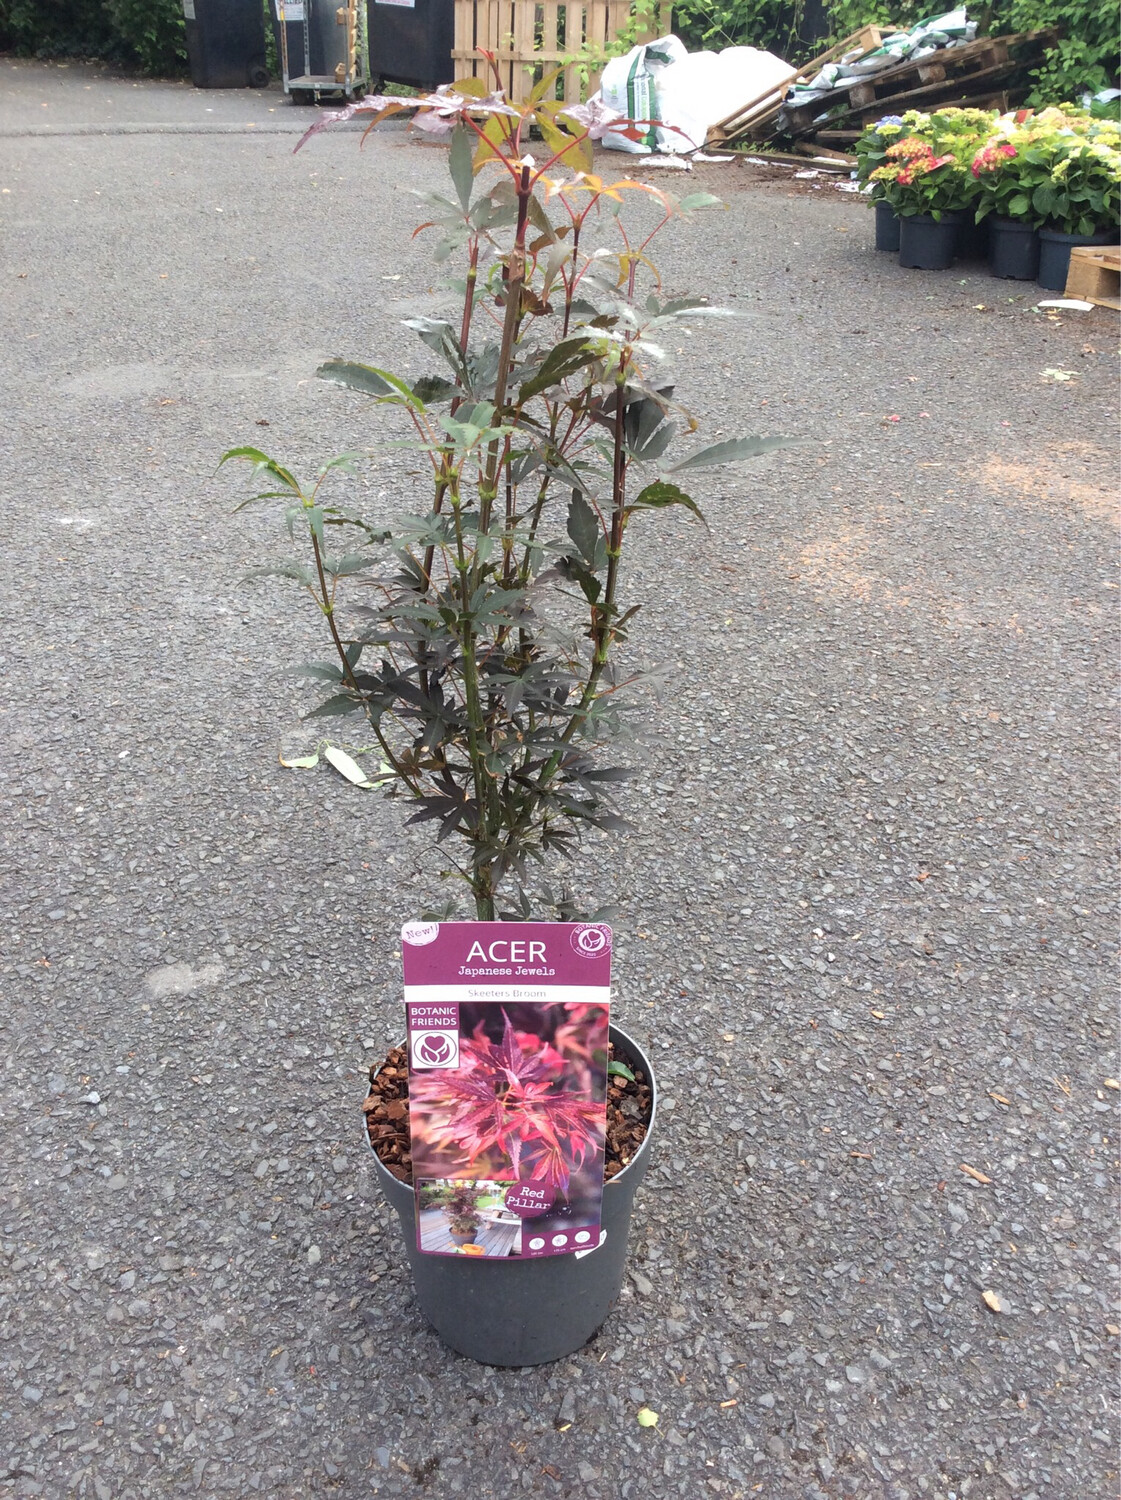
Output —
(989, 73)
(1095, 275)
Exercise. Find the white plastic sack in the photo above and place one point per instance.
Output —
(628, 86)
(702, 88)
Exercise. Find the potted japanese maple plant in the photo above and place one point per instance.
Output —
(477, 636)
(462, 1209)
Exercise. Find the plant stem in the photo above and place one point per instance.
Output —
(515, 280)
(481, 884)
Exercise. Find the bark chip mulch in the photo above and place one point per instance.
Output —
(387, 1115)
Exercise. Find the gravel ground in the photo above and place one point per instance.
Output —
(866, 917)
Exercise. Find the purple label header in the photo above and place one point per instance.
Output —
(550, 953)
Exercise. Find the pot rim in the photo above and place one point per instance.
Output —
(615, 1033)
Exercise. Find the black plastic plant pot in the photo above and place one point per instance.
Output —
(887, 226)
(1054, 254)
(527, 1312)
(1013, 249)
(928, 244)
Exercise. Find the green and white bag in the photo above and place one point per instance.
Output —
(628, 86)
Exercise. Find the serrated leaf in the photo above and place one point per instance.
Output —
(319, 671)
(584, 528)
(346, 766)
(563, 359)
(732, 450)
(432, 388)
(660, 494)
(262, 461)
(336, 707)
(291, 570)
(366, 379)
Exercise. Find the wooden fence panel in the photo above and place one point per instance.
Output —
(532, 37)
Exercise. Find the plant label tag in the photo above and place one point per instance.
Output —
(507, 1036)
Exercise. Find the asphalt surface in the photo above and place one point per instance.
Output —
(866, 917)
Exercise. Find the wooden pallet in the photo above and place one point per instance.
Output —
(942, 72)
(760, 111)
(953, 94)
(1095, 275)
(948, 76)
(530, 39)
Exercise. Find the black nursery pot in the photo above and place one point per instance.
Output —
(1013, 249)
(887, 226)
(527, 1312)
(1054, 254)
(928, 244)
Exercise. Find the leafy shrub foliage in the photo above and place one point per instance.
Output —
(478, 636)
(146, 34)
(153, 31)
(1085, 57)
(58, 28)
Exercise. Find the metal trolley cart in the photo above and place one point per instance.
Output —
(322, 49)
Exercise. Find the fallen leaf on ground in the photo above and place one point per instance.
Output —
(1000, 1099)
(732, 1402)
(1110, 1083)
(646, 1417)
(973, 1172)
(346, 766)
(992, 1301)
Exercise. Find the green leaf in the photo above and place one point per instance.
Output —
(563, 359)
(299, 762)
(319, 671)
(432, 388)
(584, 528)
(366, 379)
(440, 337)
(336, 707)
(459, 162)
(660, 494)
(694, 201)
(282, 570)
(731, 451)
(646, 1417)
(619, 1070)
(262, 461)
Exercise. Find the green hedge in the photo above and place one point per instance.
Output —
(146, 34)
(1086, 58)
